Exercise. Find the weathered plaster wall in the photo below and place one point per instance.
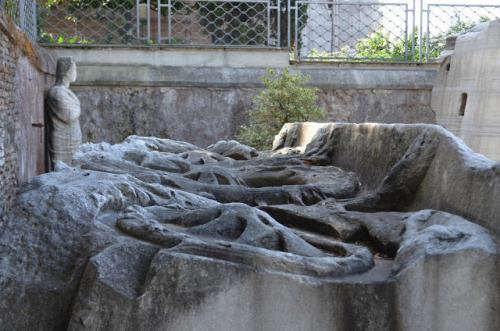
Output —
(175, 94)
(25, 74)
(471, 75)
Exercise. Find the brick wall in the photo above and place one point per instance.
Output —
(8, 123)
(25, 74)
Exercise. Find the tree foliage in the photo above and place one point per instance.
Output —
(380, 45)
(286, 98)
(79, 4)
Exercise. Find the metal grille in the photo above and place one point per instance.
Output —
(24, 14)
(325, 30)
(444, 20)
(88, 22)
(176, 22)
(228, 23)
(358, 30)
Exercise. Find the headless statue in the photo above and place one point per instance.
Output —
(65, 135)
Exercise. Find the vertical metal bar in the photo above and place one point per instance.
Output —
(268, 23)
(428, 33)
(278, 31)
(421, 28)
(289, 24)
(35, 21)
(414, 25)
(148, 16)
(21, 9)
(158, 18)
(169, 27)
(336, 10)
(296, 41)
(332, 27)
(406, 33)
(138, 19)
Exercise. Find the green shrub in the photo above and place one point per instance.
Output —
(381, 45)
(50, 38)
(286, 98)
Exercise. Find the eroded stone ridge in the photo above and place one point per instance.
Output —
(156, 234)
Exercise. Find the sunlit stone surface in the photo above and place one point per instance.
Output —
(157, 234)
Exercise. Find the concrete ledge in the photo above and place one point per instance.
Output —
(178, 56)
(110, 74)
(231, 67)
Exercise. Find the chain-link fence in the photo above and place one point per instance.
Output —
(254, 23)
(319, 30)
(24, 14)
(226, 23)
(381, 30)
(444, 20)
(365, 29)
(87, 22)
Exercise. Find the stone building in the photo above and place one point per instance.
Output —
(466, 94)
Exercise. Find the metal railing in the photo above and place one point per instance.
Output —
(24, 14)
(354, 30)
(444, 20)
(319, 30)
(253, 23)
(226, 23)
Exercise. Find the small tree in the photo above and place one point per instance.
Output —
(286, 98)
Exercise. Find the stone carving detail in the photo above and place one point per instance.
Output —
(208, 231)
(156, 234)
(233, 149)
(65, 135)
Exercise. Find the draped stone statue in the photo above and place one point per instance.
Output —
(65, 135)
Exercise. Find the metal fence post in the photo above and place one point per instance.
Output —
(170, 7)
(35, 20)
(138, 19)
(22, 18)
(406, 34)
(414, 23)
(289, 24)
(278, 31)
(158, 21)
(428, 45)
(268, 4)
(421, 29)
(296, 28)
(149, 20)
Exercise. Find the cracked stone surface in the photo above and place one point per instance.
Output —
(156, 234)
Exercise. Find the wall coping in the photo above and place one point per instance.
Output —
(111, 74)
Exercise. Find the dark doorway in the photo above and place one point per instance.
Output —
(463, 104)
